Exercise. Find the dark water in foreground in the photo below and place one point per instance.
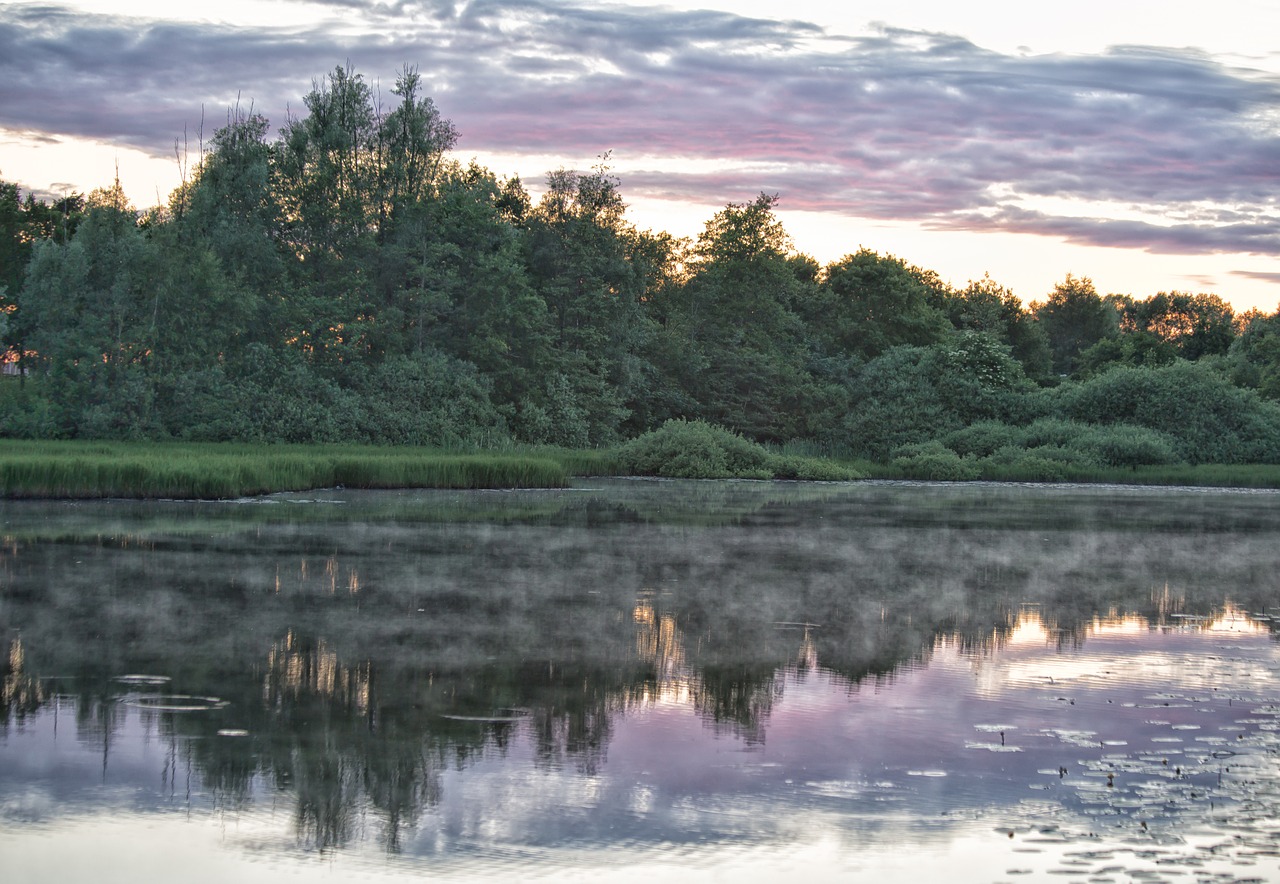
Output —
(638, 680)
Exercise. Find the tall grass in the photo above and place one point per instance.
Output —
(207, 471)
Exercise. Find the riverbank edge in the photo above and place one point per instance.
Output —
(94, 470)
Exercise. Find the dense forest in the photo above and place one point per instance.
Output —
(349, 280)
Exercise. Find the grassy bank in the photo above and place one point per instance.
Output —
(1201, 475)
(159, 470)
(72, 469)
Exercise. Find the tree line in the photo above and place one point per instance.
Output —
(349, 280)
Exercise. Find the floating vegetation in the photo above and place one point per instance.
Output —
(991, 747)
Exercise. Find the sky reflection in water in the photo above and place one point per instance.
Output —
(981, 683)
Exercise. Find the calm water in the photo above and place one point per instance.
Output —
(637, 680)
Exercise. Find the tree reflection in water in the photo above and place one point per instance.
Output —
(368, 649)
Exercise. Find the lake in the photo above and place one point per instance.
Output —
(633, 679)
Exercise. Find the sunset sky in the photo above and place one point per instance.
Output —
(1134, 142)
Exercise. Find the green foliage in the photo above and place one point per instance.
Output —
(25, 413)
(986, 306)
(1132, 348)
(893, 402)
(1254, 357)
(1051, 449)
(698, 450)
(1014, 463)
(1074, 318)
(1191, 325)
(695, 450)
(984, 438)
(868, 304)
(912, 394)
(934, 461)
(742, 347)
(207, 472)
(1208, 419)
(977, 378)
(1120, 445)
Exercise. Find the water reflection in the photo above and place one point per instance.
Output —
(478, 679)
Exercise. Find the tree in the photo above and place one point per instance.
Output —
(85, 302)
(986, 306)
(15, 245)
(867, 303)
(1210, 420)
(1074, 318)
(593, 271)
(456, 284)
(1254, 356)
(911, 395)
(745, 358)
(232, 205)
(410, 147)
(1194, 325)
(325, 178)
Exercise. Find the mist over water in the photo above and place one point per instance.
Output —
(638, 678)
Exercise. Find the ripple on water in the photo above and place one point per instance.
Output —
(174, 702)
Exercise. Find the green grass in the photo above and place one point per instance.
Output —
(71, 469)
(209, 471)
(1201, 475)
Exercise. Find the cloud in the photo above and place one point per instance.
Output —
(1261, 275)
(898, 124)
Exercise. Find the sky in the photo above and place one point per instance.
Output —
(1133, 142)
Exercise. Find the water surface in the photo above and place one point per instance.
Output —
(632, 679)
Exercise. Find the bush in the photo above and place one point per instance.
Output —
(811, 469)
(699, 450)
(985, 438)
(1050, 431)
(1206, 418)
(1019, 464)
(694, 450)
(933, 460)
(1128, 446)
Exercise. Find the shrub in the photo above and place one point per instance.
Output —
(1121, 445)
(985, 438)
(1019, 464)
(1206, 418)
(691, 450)
(933, 460)
(812, 469)
(699, 450)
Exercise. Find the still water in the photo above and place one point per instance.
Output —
(631, 680)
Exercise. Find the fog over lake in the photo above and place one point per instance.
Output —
(633, 679)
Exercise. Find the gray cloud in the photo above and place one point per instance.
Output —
(896, 125)
(1257, 274)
